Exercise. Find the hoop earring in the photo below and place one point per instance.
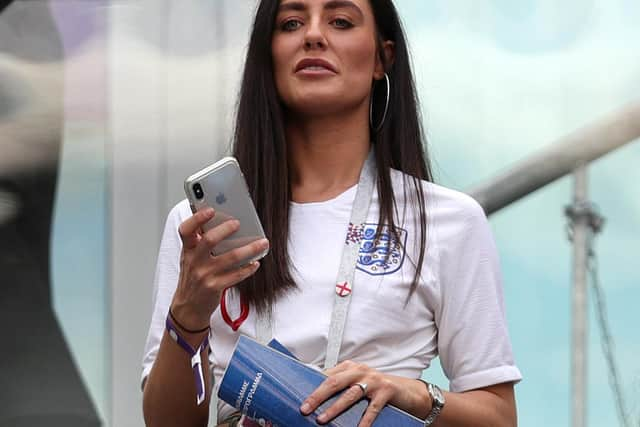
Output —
(386, 106)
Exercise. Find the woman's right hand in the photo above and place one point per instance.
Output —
(203, 276)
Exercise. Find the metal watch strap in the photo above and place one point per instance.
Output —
(437, 400)
(194, 354)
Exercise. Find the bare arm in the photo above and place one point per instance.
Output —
(169, 392)
(492, 406)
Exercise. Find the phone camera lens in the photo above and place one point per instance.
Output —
(197, 190)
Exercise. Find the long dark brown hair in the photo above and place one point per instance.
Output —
(260, 147)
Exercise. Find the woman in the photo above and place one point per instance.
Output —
(426, 281)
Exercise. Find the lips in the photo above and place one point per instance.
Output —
(315, 64)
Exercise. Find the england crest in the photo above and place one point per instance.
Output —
(376, 258)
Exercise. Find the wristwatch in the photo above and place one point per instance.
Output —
(438, 403)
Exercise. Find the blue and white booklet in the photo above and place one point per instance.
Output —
(268, 384)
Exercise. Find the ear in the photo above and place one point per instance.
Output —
(388, 49)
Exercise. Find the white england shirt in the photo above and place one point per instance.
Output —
(457, 311)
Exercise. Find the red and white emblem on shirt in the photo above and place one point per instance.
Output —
(343, 289)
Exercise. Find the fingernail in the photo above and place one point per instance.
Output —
(305, 408)
(322, 418)
(264, 243)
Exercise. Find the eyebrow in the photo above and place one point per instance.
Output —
(330, 5)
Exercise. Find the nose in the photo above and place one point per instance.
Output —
(314, 37)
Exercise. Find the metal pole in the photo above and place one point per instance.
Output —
(579, 300)
(560, 158)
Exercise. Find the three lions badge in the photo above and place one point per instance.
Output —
(384, 256)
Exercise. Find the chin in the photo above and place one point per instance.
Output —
(322, 104)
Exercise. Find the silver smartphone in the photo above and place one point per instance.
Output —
(222, 186)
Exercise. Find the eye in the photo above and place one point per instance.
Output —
(341, 23)
(290, 25)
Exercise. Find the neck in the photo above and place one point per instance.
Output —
(326, 155)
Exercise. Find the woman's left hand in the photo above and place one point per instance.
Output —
(357, 380)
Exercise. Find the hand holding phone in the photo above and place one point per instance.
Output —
(223, 187)
(204, 278)
(231, 231)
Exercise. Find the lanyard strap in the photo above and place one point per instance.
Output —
(349, 260)
(346, 271)
(194, 354)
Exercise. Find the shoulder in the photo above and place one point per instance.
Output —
(442, 204)
(180, 212)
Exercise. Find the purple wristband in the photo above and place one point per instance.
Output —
(196, 362)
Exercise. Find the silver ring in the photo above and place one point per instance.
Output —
(363, 387)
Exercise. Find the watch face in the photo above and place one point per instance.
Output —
(438, 397)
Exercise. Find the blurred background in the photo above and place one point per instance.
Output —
(107, 105)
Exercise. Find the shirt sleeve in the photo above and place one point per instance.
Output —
(473, 340)
(164, 286)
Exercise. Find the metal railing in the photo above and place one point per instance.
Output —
(570, 154)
